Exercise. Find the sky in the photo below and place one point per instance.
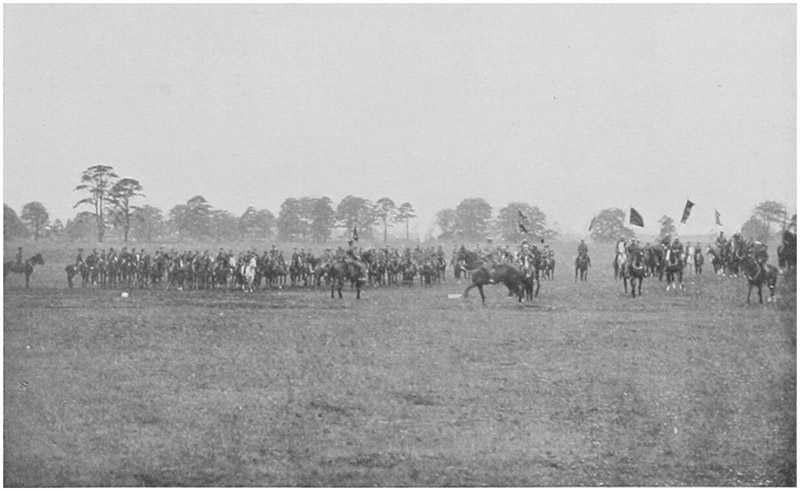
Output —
(572, 108)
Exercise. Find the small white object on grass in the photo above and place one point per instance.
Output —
(124, 294)
(453, 295)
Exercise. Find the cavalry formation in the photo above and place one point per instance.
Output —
(520, 271)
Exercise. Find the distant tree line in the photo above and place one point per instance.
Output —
(115, 202)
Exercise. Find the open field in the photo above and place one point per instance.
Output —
(584, 386)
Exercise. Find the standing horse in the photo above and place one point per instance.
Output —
(673, 267)
(634, 270)
(339, 271)
(249, 274)
(581, 266)
(25, 268)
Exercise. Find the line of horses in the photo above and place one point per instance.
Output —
(520, 273)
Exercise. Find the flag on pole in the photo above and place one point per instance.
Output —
(686, 211)
(523, 229)
(522, 216)
(591, 224)
(636, 218)
(716, 217)
(355, 234)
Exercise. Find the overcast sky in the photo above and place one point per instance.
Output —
(571, 108)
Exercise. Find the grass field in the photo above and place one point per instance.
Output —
(585, 386)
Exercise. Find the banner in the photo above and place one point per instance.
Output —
(636, 218)
(355, 234)
(591, 224)
(686, 211)
(716, 217)
(522, 216)
(523, 229)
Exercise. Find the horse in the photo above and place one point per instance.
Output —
(634, 270)
(248, 270)
(339, 271)
(25, 268)
(757, 274)
(787, 251)
(717, 260)
(482, 274)
(530, 280)
(673, 268)
(581, 266)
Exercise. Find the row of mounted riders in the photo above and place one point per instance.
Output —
(230, 271)
(737, 257)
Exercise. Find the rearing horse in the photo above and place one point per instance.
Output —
(25, 268)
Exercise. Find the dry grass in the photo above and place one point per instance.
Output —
(584, 387)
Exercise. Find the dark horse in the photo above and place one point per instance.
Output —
(483, 273)
(757, 274)
(339, 271)
(25, 268)
(634, 270)
(787, 251)
(581, 266)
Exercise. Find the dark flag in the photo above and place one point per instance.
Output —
(522, 216)
(686, 210)
(636, 218)
(716, 217)
(523, 229)
(355, 234)
(591, 224)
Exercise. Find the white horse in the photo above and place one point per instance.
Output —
(620, 259)
(689, 259)
(249, 274)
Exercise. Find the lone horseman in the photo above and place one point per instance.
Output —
(79, 259)
(583, 250)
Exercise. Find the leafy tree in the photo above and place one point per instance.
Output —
(192, 219)
(323, 219)
(385, 210)
(756, 228)
(97, 180)
(198, 217)
(177, 219)
(254, 224)
(147, 223)
(56, 230)
(12, 226)
(509, 220)
(223, 224)
(120, 196)
(445, 219)
(35, 216)
(405, 212)
(770, 212)
(82, 227)
(290, 220)
(472, 219)
(355, 212)
(667, 227)
(609, 225)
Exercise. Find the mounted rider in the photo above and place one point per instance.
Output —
(79, 258)
(583, 250)
(353, 258)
